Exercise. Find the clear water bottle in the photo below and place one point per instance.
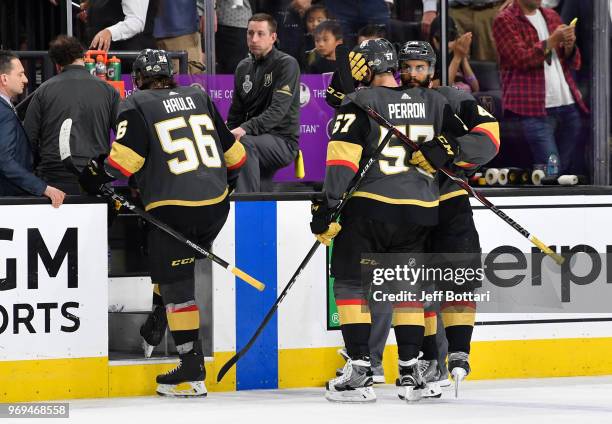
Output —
(552, 167)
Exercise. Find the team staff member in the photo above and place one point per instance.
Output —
(265, 108)
(392, 211)
(16, 177)
(92, 105)
(175, 143)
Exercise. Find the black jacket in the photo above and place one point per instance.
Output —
(91, 104)
(267, 96)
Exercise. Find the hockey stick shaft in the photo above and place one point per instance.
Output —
(361, 173)
(109, 192)
(66, 157)
(464, 185)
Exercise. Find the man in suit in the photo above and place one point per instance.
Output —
(16, 177)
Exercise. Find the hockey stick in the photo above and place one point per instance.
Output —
(346, 80)
(345, 198)
(66, 157)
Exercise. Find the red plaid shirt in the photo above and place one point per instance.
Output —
(521, 61)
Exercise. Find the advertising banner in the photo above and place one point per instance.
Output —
(53, 282)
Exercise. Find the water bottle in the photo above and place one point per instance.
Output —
(552, 166)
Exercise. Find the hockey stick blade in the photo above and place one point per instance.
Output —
(66, 157)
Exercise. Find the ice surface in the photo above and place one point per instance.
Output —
(579, 400)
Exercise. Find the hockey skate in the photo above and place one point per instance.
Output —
(189, 373)
(410, 384)
(153, 330)
(431, 374)
(459, 368)
(378, 373)
(354, 384)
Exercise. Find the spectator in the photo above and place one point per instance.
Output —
(92, 106)
(230, 40)
(328, 35)
(430, 11)
(475, 16)
(315, 14)
(460, 73)
(176, 28)
(571, 9)
(354, 15)
(537, 54)
(371, 32)
(126, 24)
(264, 114)
(291, 28)
(16, 177)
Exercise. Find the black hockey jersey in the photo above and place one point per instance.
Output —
(478, 145)
(177, 146)
(392, 190)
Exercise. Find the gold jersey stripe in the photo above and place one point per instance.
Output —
(354, 314)
(190, 203)
(431, 325)
(180, 321)
(453, 194)
(234, 155)
(458, 315)
(492, 130)
(407, 316)
(344, 151)
(390, 200)
(126, 158)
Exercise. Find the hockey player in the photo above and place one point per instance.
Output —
(455, 232)
(392, 211)
(175, 143)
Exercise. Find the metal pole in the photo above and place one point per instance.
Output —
(68, 5)
(443, 42)
(209, 36)
(601, 92)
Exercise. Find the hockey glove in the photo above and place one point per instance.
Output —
(359, 67)
(321, 225)
(434, 154)
(93, 176)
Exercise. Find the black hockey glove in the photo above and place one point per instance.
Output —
(93, 176)
(321, 225)
(334, 94)
(435, 154)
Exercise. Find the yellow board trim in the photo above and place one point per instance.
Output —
(392, 201)
(189, 203)
(490, 360)
(452, 194)
(139, 380)
(46, 379)
(126, 158)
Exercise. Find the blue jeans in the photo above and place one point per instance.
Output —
(560, 133)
